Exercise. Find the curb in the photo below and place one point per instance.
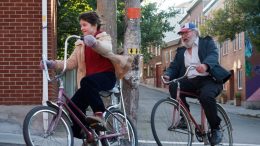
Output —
(8, 139)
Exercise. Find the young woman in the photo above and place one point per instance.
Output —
(96, 67)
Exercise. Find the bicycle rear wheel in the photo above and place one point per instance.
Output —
(225, 127)
(164, 120)
(115, 122)
(35, 126)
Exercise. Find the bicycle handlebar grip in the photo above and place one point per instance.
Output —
(45, 67)
(82, 38)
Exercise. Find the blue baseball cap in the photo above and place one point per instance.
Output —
(187, 27)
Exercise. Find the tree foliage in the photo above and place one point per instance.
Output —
(67, 21)
(237, 16)
(154, 24)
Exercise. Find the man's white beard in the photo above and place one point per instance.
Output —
(190, 42)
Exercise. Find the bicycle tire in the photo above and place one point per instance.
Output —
(225, 126)
(161, 124)
(120, 141)
(32, 136)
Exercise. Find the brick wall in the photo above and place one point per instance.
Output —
(21, 49)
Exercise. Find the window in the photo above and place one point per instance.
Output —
(234, 43)
(219, 49)
(225, 48)
(151, 71)
(148, 71)
(159, 50)
(239, 39)
(148, 49)
(156, 51)
(152, 50)
(225, 86)
(171, 55)
(166, 56)
(239, 78)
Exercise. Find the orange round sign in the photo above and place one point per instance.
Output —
(133, 13)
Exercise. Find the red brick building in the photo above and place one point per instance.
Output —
(169, 52)
(153, 69)
(21, 49)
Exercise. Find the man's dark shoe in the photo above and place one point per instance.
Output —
(216, 136)
(182, 125)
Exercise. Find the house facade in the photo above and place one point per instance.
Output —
(237, 55)
(152, 70)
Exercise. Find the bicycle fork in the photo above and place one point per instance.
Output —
(204, 127)
(53, 124)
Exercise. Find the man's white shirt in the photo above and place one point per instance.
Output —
(193, 59)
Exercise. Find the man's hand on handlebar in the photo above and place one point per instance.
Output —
(201, 68)
(166, 78)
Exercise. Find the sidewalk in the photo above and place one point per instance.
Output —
(239, 110)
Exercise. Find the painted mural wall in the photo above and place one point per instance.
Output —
(252, 71)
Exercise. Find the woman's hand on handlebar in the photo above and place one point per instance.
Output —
(50, 64)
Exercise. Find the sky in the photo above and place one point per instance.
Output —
(167, 3)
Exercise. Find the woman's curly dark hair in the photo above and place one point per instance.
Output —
(92, 18)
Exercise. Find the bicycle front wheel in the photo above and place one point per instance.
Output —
(37, 128)
(116, 124)
(165, 120)
(225, 127)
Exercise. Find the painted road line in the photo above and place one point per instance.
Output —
(195, 143)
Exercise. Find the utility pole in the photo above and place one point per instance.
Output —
(132, 41)
(107, 11)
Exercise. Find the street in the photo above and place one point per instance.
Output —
(245, 133)
(245, 129)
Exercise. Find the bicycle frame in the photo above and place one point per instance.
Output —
(118, 104)
(204, 127)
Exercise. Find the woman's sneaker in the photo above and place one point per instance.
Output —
(97, 122)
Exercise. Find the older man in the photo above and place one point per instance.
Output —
(207, 78)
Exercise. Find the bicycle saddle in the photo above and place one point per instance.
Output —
(109, 92)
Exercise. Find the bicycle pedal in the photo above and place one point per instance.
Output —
(98, 126)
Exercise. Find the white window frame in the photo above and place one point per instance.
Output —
(239, 41)
(159, 50)
(239, 79)
(156, 53)
(171, 58)
(234, 44)
(166, 56)
(225, 86)
(148, 70)
(225, 48)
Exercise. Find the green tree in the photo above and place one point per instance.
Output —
(237, 16)
(68, 23)
(154, 23)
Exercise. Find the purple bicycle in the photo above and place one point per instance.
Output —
(51, 125)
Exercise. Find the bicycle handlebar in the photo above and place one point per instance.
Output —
(44, 58)
(176, 80)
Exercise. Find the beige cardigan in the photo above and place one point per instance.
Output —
(77, 58)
